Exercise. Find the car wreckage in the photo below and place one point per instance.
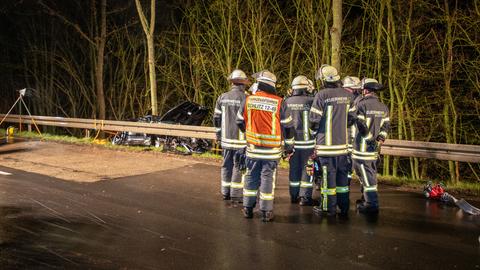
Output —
(186, 113)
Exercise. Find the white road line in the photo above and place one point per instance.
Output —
(4, 173)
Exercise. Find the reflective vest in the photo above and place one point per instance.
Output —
(262, 120)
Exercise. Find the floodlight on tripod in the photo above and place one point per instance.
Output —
(25, 92)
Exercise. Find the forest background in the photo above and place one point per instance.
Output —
(90, 59)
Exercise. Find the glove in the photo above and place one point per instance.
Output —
(288, 152)
(380, 139)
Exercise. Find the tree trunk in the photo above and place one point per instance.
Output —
(153, 75)
(336, 33)
(101, 40)
(149, 29)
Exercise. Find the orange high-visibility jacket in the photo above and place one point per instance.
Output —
(264, 115)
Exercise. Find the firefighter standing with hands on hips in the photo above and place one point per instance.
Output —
(228, 134)
(299, 103)
(266, 122)
(328, 119)
(373, 122)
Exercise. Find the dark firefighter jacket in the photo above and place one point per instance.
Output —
(224, 118)
(328, 119)
(373, 123)
(299, 104)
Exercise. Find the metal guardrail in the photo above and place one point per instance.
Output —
(441, 151)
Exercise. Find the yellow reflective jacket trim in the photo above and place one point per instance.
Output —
(316, 111)
(287, 120)
(264, 156)
(230, 145)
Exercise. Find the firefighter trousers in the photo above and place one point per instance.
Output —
(260, 179)
(231, 183)
(367, 173)
(335, 185)
(301, 185)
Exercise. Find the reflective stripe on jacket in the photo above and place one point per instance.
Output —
(299, 105)
(372, 117)
(264, 116)
(225, 115)
(329, 115)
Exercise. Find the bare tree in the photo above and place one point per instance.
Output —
(97, 42)
(149, 29)
(336, 33)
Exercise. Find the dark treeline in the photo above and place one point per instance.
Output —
(426, 52)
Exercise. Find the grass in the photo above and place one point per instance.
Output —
(472, 189)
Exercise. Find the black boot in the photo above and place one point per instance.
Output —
(306, 201)
(294, 199)
(367, 209)
(247, 212)
(319, 212)
(226, 197)
(267, 216)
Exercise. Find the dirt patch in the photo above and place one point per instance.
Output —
(85, 163)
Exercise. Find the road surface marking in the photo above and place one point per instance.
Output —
(4, 173)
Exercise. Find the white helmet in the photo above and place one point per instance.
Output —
(371, 84)
(266, 76)
(300, 82)
(238, 77)
(327, 73)
(352, 82)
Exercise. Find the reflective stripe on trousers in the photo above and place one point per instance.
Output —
(335, 174)
(260, 176)
(229, 173)
(303, 184)
(367, 172)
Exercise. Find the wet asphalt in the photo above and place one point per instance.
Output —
(176, 220)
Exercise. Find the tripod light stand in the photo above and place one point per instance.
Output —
(22, 93)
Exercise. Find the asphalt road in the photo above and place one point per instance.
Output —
(174, 219)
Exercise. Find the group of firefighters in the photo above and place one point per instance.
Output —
(325, 135)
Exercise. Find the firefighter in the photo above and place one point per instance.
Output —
(230, 137)
(299, 104)
(353, 85)
(263, 117)
(373, 123)
(328, 119)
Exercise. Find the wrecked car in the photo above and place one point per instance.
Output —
(186, 113)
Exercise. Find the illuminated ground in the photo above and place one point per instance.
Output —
(172, 218)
